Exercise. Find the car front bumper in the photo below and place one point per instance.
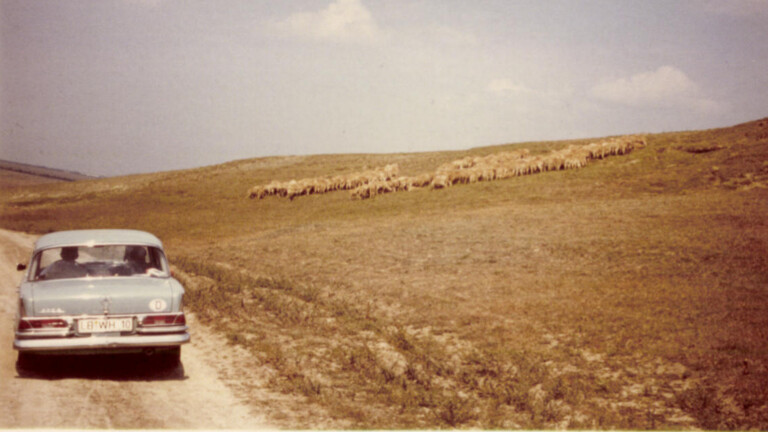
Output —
(99, 343)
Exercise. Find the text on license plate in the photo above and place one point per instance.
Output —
(104, 325)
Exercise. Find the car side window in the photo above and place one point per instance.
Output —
(35, 267)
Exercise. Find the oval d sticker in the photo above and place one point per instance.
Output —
(157, 305)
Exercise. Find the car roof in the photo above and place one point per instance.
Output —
(97, 237)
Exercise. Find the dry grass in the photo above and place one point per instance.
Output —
(627, 294)
(14, 179)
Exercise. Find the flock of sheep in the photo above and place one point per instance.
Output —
(318, 185)
(496, 166)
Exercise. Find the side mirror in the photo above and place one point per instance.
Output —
(21, 267)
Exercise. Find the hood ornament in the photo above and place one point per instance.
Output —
(106, 302)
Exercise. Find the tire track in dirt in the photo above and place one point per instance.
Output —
(121, 392)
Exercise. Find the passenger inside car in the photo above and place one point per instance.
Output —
(136, 259)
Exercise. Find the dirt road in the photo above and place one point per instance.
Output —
(114, 392)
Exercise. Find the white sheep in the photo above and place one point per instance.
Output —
(440, 181)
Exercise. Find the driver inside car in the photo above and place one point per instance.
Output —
(66, 267)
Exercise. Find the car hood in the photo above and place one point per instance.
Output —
(99, 296)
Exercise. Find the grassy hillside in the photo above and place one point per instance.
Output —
(30, 171)
(15, 179)
(630, 293)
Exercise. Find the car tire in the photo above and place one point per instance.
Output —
(171, 358)
(26, 361)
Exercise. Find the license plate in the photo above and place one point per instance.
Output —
(104, 325)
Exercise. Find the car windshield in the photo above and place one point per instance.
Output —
(98, 261)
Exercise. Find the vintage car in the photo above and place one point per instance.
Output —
(99, 291)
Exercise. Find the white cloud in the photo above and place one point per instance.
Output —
(665, 87)
(504, 86)
(341, 21)
(554, 94)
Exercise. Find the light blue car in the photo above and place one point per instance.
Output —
(99, 291)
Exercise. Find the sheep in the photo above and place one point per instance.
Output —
(486, 174)
(440, 181)
(256, 192)
(422, 180)
(293, 189)
(459, 176)
(617, 147)
(403, 183)
(259, 191)
(391, 171)
(502, 172)
(359, 193)
(553, 163)
(458, 164)
(536, 165)
(377, 187)
(574, 161)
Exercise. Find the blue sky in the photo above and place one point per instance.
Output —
(112, 87)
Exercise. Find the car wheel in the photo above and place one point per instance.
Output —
(26, 361)
(171, 358)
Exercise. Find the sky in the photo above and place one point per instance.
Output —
(116, 87)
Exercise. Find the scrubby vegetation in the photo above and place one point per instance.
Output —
(627, 294)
